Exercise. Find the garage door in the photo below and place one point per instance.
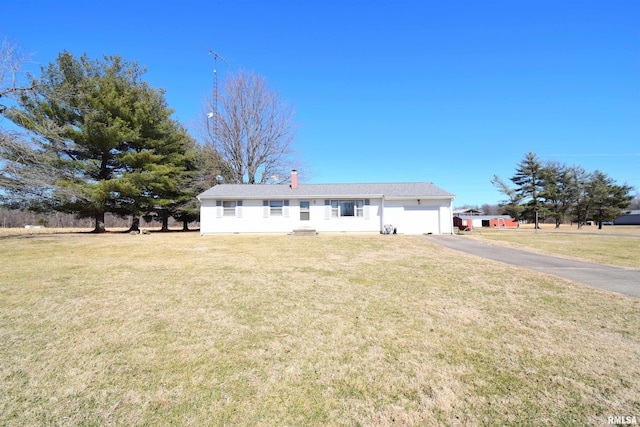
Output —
(418, 220)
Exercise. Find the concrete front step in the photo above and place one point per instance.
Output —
(304, 232)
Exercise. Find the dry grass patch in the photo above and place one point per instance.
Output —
(23, 232)
(618, 245)
(281, 330)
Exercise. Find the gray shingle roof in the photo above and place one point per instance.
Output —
(423, 190)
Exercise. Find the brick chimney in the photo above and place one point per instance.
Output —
(294, 179)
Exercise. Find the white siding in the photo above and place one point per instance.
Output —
(255, 219)
(407, 216)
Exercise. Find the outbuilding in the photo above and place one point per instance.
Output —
(632, 218)
(405, 208)
(469, 222)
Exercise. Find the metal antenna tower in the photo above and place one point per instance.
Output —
(214, 114)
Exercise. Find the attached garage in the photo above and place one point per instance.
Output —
(421, 220)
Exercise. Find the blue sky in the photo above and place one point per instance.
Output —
(384, 91)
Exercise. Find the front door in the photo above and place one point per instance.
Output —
(305, 213)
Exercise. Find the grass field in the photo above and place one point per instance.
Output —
(618, 246)
(178, 329)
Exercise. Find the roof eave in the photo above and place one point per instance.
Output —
(289, 196)
(423, 197)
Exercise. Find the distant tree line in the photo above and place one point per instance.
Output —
(19, 218)
(93, 139)
(564, 193)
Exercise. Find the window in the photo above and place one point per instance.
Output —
(229, 207)
(305, 212)
(335, 209)
(276, 208)
(347, 208)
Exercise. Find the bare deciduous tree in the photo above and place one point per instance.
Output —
(12, 59)
(21, 172)
(252, 130)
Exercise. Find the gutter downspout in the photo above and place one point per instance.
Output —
(381, 225)
(451, 215)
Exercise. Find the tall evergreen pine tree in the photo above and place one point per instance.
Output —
(114, 145)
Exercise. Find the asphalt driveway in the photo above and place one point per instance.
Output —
(624, 281)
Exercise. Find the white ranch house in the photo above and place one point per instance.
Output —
(410, 208)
